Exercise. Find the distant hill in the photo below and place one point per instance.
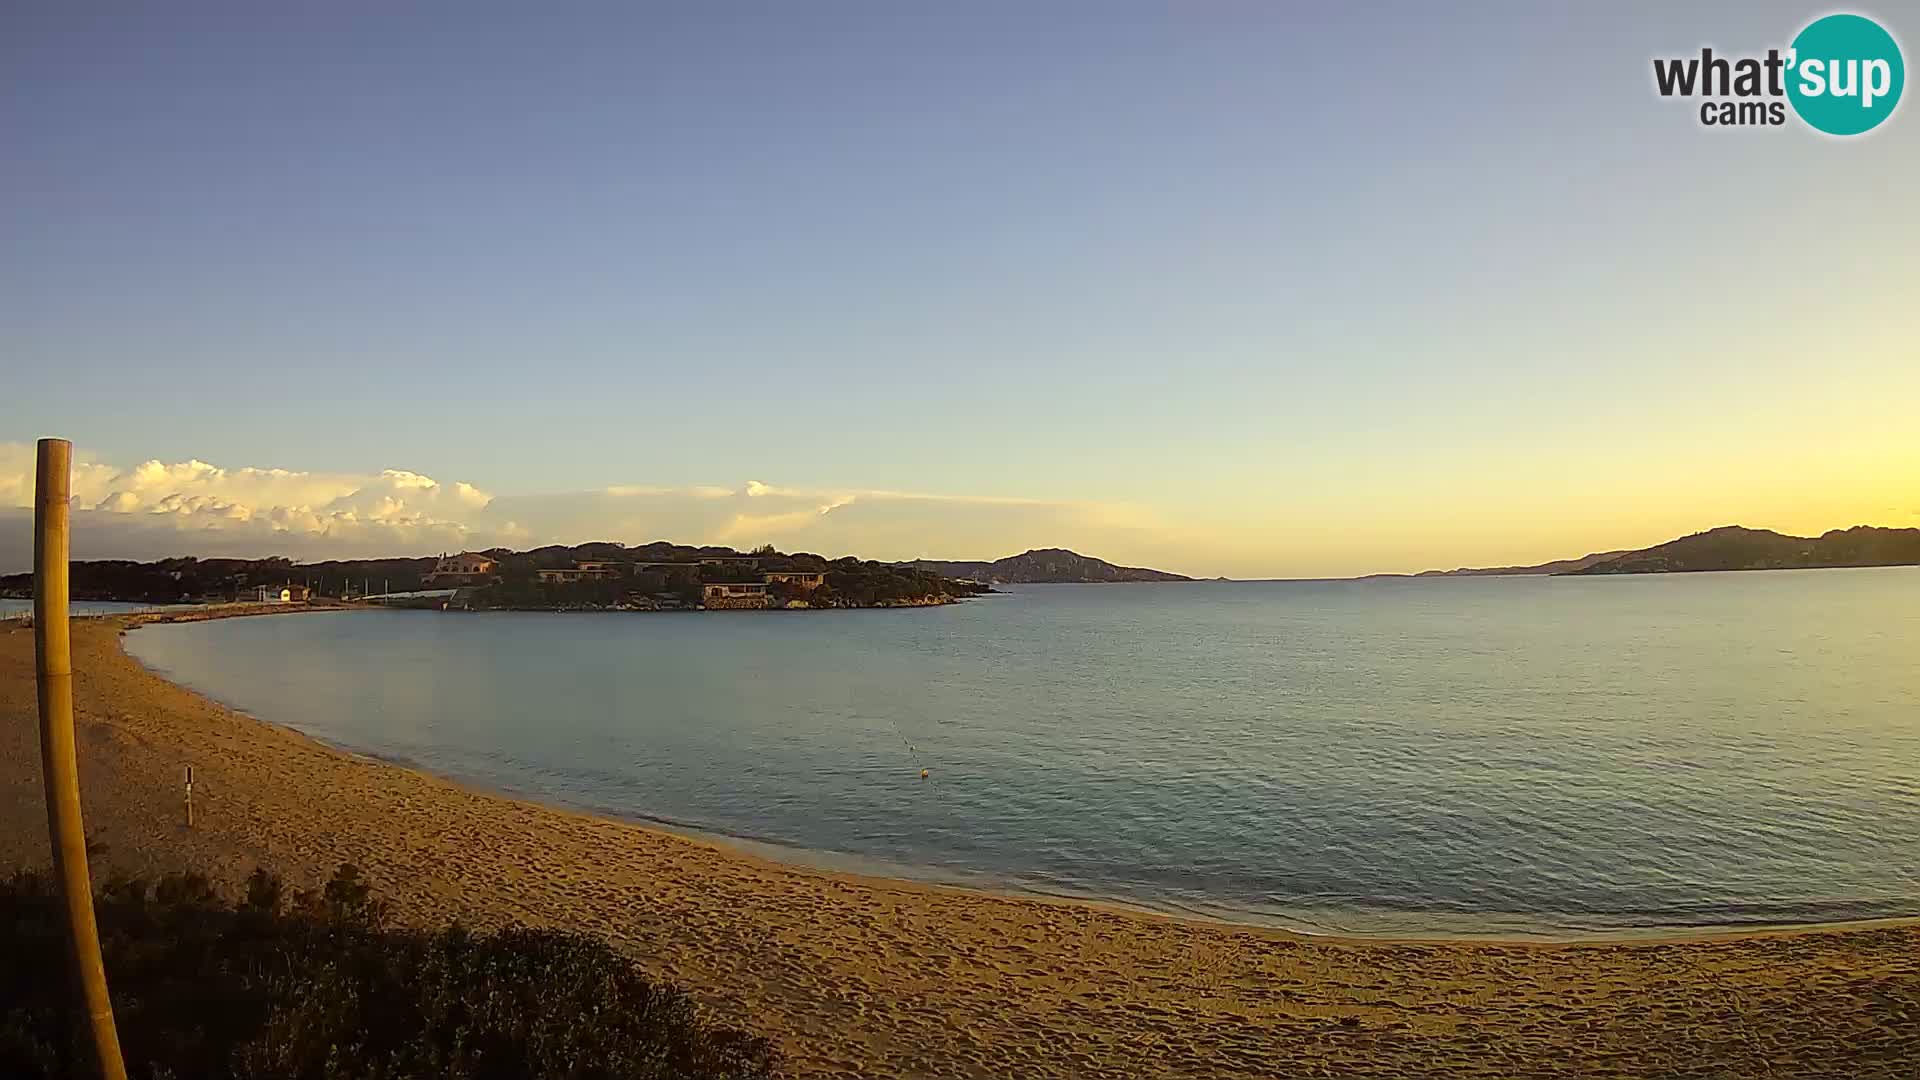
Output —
(1043, 566)
(1732, 547)
(1558, 566)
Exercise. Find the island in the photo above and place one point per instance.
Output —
(1042, 566)
(1557, 566)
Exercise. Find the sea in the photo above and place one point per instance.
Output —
(1556, 757)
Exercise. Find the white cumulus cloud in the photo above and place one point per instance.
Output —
(394, 511)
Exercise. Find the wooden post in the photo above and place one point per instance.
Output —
(59, 772)
(189, 796)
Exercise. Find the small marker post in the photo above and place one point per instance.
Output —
(189, 796)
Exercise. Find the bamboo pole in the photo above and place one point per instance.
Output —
(53, 658)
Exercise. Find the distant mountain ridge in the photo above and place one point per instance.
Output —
(1733, 547)
(1729, 547)
(1043, 566)
(1558, 566)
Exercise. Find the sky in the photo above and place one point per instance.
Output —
(1242, 289)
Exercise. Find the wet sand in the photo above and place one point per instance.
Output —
(867, 977)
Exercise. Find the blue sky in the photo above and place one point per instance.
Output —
(1254, 289)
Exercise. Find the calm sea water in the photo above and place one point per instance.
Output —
(10, 607)
(1505, 755)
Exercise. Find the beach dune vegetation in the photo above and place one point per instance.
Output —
(315, 985)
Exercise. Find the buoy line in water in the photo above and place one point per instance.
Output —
(912, 750)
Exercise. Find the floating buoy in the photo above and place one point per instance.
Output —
(923, 774)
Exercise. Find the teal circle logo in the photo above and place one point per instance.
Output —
(1845, 74)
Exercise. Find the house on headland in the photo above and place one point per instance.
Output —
(585, 571)
(466, 568)
(717, 595)
(805, 579)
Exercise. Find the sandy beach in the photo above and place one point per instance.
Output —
(860, 977)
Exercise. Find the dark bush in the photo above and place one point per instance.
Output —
(319, 988)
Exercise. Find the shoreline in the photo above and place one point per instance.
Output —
(856, 975)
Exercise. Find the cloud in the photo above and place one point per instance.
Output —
(780, 523)
(156, 508)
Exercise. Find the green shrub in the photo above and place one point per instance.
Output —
(318, 987)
